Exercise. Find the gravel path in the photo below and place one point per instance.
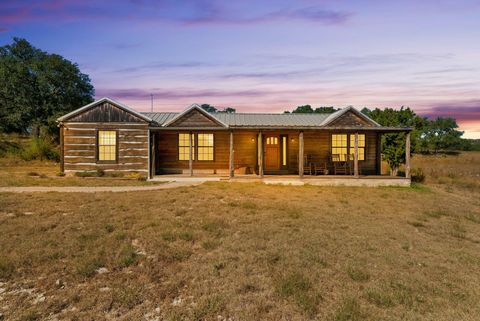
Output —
(93, 189)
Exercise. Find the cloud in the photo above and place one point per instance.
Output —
(181, 93)
(462, 111)
(162, 66)
(188, 12)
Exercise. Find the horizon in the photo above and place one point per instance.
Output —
(266, 56)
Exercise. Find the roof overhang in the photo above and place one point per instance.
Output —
(101, 101)
(199, 109)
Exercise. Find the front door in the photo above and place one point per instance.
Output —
(272, 153)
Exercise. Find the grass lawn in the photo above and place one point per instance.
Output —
(16, 172)
(242, 251)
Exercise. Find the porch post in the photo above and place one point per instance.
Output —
(152, 154)
(300, 155)
(62, 150)
(379, 154)
(190, 151)
(355, 156)
(407, 156)
(260, 154)
(230, 165)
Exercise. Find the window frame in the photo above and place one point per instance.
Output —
(194, 147)
(187, 146)
(97, 146)
(198, 146)
(349, 146)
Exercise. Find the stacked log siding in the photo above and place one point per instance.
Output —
(80, 147)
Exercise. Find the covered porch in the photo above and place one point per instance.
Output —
(318, 157)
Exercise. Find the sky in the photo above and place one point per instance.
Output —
(265, 55)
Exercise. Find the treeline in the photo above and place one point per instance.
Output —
(428, 135)
(36, 88)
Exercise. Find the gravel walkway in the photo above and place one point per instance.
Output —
(93, 189)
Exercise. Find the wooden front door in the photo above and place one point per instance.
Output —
(272, 152)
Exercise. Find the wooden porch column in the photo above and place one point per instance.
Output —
(379, 154)
(300, 155)
(355, 156)
(152, 154)
(260, 154)
(231, 169)
(62, 150)
(407, 156)
(190, 152)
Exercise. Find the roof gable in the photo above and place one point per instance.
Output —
(349, 117)
(104, 110)
(194, 116)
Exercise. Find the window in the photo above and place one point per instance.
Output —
(339, 147)
(284, 150)
(361, 146)
(272, 140)
(107, 145)
(205, 147)
(341, 143)
(202, 147)
(184, 147)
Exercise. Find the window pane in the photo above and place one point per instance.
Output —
(205, 153)
(184, 146)
(107, 145)
(339, 147)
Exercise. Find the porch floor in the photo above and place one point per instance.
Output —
(323, 180)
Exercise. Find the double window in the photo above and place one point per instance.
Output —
(343, 147)
(107, 146)
(202, 146)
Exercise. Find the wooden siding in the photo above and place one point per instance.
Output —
(317, 146)
(194, 118)
(80, 147)
(350, 119)
(105, 112)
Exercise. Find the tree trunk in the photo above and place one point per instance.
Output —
(393, 170)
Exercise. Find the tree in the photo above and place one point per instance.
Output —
(307, 109)
(209, 108)
(441, 134)
(212, 109)
(37, 87)
(303, 109)
(393, 145)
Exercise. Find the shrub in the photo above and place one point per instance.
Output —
(100, 172)
(418, 176)
(41, 149)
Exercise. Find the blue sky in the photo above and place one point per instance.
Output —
(267, 55)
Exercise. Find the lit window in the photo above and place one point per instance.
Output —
(339, 147)
(272, 140)
(184, 147)
(361, 146)
(284, 150)
(205, 147)
(107, 145)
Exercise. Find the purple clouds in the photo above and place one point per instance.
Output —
(190, 12)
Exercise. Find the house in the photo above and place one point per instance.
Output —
(109, 135)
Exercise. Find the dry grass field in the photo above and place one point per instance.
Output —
(242, 251)
(16, 172)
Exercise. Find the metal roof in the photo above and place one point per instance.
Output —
(252, 119)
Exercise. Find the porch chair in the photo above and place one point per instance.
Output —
(307, 165)
(320, 168)
(340, 166)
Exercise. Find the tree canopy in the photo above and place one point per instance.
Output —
(37, 87)
(308, 109)
(213, 109)
(427, 135)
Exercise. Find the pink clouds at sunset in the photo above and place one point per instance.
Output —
(267, 55)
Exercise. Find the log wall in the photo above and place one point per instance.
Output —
(317, 144)
(80, 147)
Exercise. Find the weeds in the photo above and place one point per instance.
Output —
(358, 274)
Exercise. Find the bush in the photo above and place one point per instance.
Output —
(418, 176)
(40, 149)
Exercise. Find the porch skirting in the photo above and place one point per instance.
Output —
(325, 180)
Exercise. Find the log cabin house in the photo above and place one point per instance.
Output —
(109, 135)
